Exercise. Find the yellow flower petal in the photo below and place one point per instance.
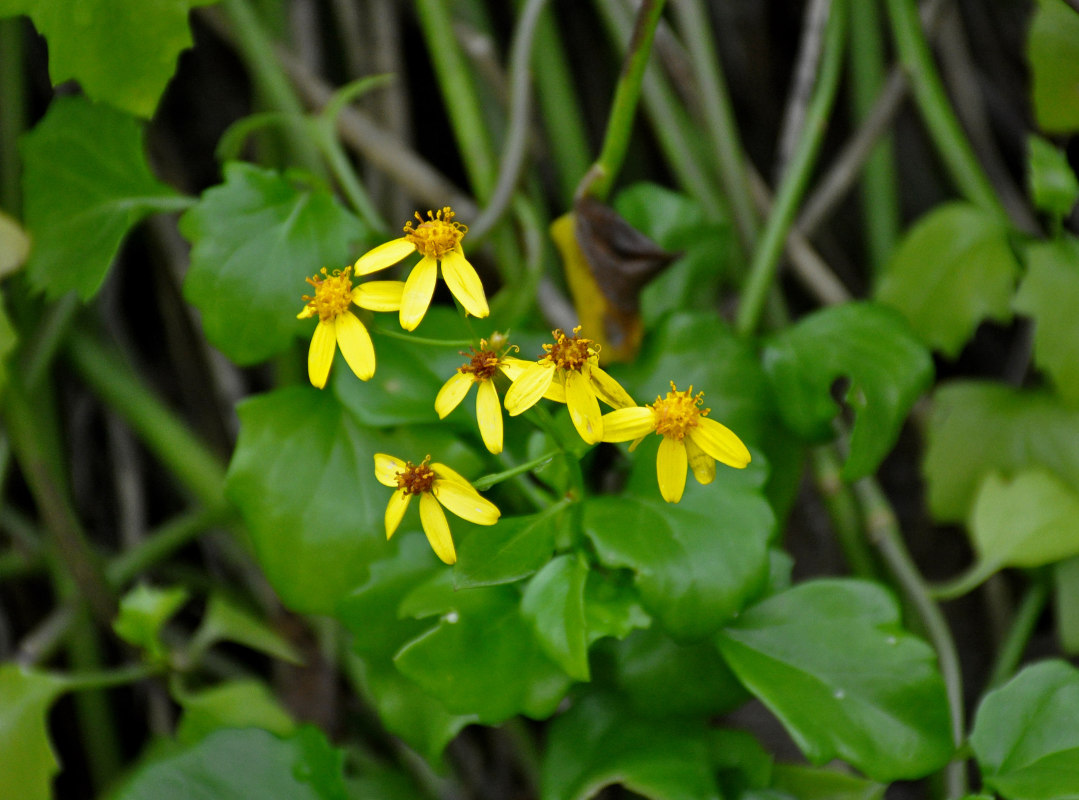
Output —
(609, 390)
(387, 469)
(529, 388)
(395, 510)
(308, 311)
(702, 464)
(436, 528)
(624, 424)
(379, 295)
(513, 367)
(489, 416)
(355, 344)
(385, 255)
(583, 407)
(465, 502)
(671, 469)
(320, 353)
(444, 472)
(556, 392)
(464, 283)
(452, 393)
(419, 289)
(720, 442)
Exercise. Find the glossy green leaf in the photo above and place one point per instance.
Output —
(255, 239)
(1052, 182)
(240, 703)
(225, 621)
(1026, 734)
(695, 567)
(480, 656)
(86, 185)
(662, 678)
(378, 632)
(954, 269)
(1048, 294)
(812, 783)
(874, 348)
(740, 760)
(120, 51)
(27, 762)
(830, 660)
(612, 606)
(241, 764)
(1053, 53)
(143, 612)
(511, 550)
(597, 743)
(1066, 604)
(980, 427)
(554, 604)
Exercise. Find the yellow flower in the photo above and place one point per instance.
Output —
(434, 483)
(438, 239)
(481, 369)
(338, 326)
(568, 372)
(688, 436)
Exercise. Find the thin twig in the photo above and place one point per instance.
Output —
(805, 78)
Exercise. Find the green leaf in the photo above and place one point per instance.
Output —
(378, 632)
(953, 269)
(1066, 604)
(1053, 53)
(27, 762)
(811, 783)
(481, 657)
(612, 606)
(244, 764)
(255, 239)
(875, 349)
(86, 184)
(696, 567)
(1048, 293)
(979, 427)
(741, 761)
(596, 744)
(225, 621)
(1026, 734)
(830, 659)
(662, 678)
(143, 612)
(511, 550)
(235, 704)
(1053, 185)
(554, 604)
(120, 51)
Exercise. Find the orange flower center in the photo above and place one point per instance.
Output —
(679, 411)
(333, 293)
(569, 352)
(482, 366)
(437, 235)
(416, 478)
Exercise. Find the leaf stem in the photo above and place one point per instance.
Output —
(389, 333)
(487, 481)
(766, 257)
(1026, 617)
(843, 511)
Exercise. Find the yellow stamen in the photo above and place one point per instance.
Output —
(679, 411)
(569, 352)
(416, 478)
(437, 235)
(333, 293)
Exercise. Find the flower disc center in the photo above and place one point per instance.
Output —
(437, 235)
(416, 478)
(569, 352)
(333, 293)
(679, 411)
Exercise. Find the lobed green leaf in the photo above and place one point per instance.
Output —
(143, 612)
(554, 603)
(511, 550)
(1052, 182)
(27, 762)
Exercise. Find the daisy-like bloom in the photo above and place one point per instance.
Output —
(688, 436)
(338, 326)
(481, 369)
(434, 483)
(568, 372)
(438, 239)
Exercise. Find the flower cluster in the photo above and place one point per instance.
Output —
(567, 371)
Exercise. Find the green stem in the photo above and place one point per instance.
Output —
(487, 481)
(883, 530)
(966, 582)
(163, 433)
(1022, 627)
(719, 119)
(324, 133)
(843, 511)
(389, 333)
(600, 178)
(879, 195)
(161, 543)
(543, 420)
(105, 679)
(944, 128)
(765, 262)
